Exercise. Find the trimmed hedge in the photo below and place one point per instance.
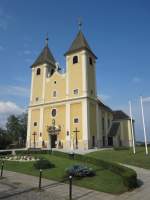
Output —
(128, 175)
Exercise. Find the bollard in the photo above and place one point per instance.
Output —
(70, 187)
(2, 167)
(40, 178)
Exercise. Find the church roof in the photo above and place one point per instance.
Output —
(119, 114)
(79, 43)
(114, 129)
(104, 105)
(45, 56)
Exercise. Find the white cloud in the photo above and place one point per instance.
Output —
(136, 79)
(4, 20)
(27, 52)
(8, 108)
(146, 99)
(14, 91)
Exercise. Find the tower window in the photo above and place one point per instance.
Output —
(75, 59)
(90, 61)
(35, 123)
(75, 91)
(54, 94)
(54, 82)
(76, 120)
(37, 98)
(38, 72)
(54, 112)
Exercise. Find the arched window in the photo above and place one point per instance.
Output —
(38, 72)
(54, 93)
(53, 112)
(52, 72)
(75, 59)
(90, 61)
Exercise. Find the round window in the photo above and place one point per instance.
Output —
(54, 112)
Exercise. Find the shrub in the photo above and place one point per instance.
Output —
(43, 164)
(80, 171)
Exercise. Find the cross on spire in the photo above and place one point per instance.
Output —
(46, 40)
(79, 23)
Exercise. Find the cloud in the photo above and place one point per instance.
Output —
(4, 20)
(8, 108)
(136, 79)
(14, 91)
(146, 99)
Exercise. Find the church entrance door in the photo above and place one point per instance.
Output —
(110, 141)
(53, 141)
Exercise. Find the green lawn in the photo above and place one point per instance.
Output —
(125, 156)
(105, 180)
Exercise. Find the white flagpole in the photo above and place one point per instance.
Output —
(132, 131)
(145, 138)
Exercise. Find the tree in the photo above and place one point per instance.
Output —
(5, 140)
(17, 128)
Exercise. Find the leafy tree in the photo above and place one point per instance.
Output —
(17, 128)
(5, 139)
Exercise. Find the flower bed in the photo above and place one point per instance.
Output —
(19, 158)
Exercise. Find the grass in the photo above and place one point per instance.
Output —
(105, 180)
(125, 156)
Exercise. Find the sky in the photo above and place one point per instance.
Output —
(118, 32)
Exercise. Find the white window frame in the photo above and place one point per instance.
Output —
(53, 93)
(76, 90)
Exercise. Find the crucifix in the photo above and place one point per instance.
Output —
(76, 132)
(34, 134)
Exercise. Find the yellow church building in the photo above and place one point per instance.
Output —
(64, 110)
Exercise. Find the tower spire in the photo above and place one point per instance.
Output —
(46, 40)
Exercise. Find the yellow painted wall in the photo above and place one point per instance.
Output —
(37, 83)
(91, 77)
(59, 120)
(75, 75)
(93, 126)
(35, 117)
(59, 87)
(76, 111)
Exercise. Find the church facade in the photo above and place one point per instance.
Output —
(64, 110)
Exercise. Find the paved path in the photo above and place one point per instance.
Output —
(18, 186)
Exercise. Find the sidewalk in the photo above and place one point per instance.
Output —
(17, 186)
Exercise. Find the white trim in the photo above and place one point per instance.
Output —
(32, 80)
(56, 94)
(85, 119)
(41, 122)
(67, 77)
(63, 101)
(77, 91)
(84, 73)
(68, 137)
(28, 143)
(98, 124)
